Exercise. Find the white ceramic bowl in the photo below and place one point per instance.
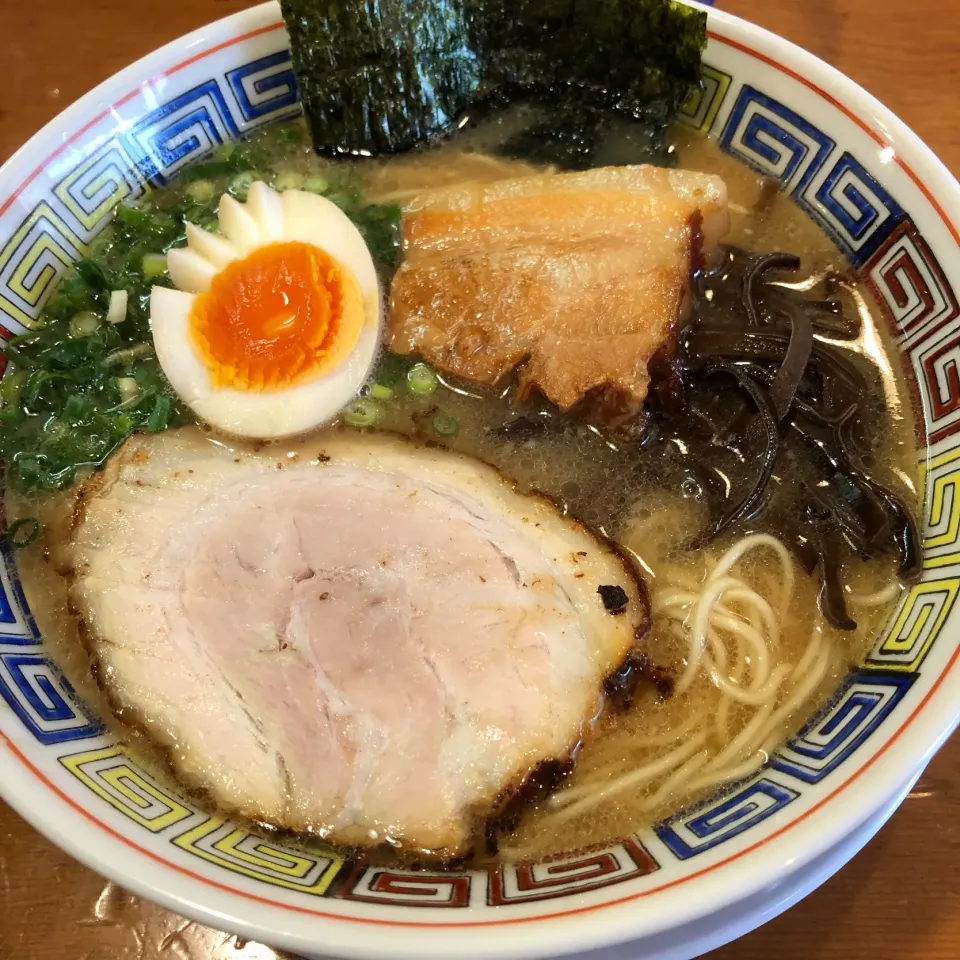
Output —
(709, 873)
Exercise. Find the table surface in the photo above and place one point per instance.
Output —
(899, 898)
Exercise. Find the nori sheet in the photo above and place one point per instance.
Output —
(380, 76)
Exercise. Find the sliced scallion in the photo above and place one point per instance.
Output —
(362, 412)
(117, 311)
(101, 242)
(201, 191)
(445, 425)
(379, 392)
(32, 525)
(84, 323)
(128, 388)
(421, 380)
(289, 180)
(316, 184)
(240, 185)
(126, 354)
(159, 415)
(11, 386)
(153, 265)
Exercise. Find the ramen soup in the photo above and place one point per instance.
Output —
(579, 530)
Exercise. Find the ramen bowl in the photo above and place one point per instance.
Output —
(712, 870)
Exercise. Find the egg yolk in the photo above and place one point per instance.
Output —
(283, 315)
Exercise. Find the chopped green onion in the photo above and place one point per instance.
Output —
(133, 216)
(379, 392)
(57, 430)
(362, 412)
(18, 543)
(289, 180)
(84, 323)
(11, 387)
(201, 191)
(316, 184)
(63, 402)
(75, 409)
(445, 425)
(128, 388)
(240, 185)
(153, 265)
(126, 354)
(118, 306)
(421, 380)
(101, 242)
(159, 416)
(92, 275)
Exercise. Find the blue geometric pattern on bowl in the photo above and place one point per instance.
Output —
(835, 191)
(709, 824)
(858, 707)
(266, 89)
(41, 697)
(832, 186)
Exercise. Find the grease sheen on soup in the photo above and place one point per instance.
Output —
(676, 746)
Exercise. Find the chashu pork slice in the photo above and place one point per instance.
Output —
(578, 279)
(359, 637)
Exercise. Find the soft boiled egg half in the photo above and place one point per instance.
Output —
(275, 322)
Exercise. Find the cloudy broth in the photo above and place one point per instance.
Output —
(645, 498)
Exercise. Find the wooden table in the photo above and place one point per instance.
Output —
(897, 900)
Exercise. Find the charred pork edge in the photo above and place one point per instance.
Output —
(530, 787)
(666, 365)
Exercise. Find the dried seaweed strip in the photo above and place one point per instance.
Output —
(378, 78)
(741, 329)
(755, 274)
(766, 346)
(783, 389)
(832, 603)
(766, 426)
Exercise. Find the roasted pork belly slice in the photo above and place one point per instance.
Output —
(578, 279)
(359, 637)
(628, 201)
(565, 317)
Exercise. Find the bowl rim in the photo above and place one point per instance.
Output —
(906, 749)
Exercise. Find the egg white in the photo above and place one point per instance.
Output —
(267, 217)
